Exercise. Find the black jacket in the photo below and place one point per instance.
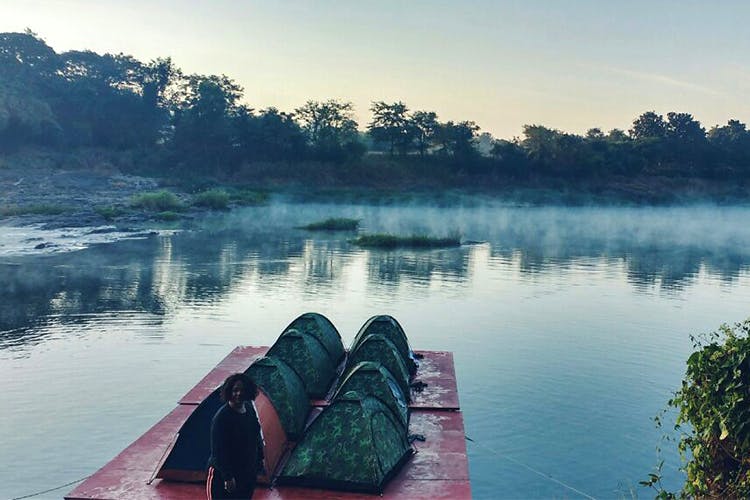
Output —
(236, 445)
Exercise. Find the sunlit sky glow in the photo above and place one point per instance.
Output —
(570, 65)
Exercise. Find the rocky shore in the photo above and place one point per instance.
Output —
(68, 197)
(46, 208)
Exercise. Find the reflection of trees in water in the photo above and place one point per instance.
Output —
(68, 288)
(156, 275)
(390, 267)
(672, 267)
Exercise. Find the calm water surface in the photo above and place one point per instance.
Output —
(569, 326)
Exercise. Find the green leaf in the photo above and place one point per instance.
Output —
(724, 430)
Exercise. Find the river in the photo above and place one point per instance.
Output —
(570, 328)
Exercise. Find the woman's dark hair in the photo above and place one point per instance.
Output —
(251, 390)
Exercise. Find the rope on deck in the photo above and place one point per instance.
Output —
(51, 489)
(528, 467)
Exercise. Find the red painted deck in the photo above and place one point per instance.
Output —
(439, 469)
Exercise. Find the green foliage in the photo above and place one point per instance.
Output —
(381, 240)
(215, 199)
(391, 125)
(157, 201)
(109, 212)
(40, 209)
(334, 224)
(331, 129)
(715, 401)
(196, 124)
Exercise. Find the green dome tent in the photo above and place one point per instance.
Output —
(286, 392)
(373, 379)
(356, 444)
(390, 328)
(378, 348)
(305, 354)
(321, 328)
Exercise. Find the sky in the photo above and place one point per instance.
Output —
(565, 64)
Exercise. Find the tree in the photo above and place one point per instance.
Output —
(330, 129)
(100, 100)
(26, 59)
(732, 145)
(648, 126)
(391, 125)
(557, 153)
(683, 128)
(617, 135)
(540, 143)
(732, 134)
(424, 125)
(594, 133)
(457, 139)
(269, 136)
(203, 121)
(510, 157)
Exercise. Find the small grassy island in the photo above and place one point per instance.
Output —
(333, 224)
(382, 240)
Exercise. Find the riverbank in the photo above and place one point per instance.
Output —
(95, 188)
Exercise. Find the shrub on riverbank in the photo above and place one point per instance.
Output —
(381, 240)
(215, 199)
(158, 201)
(714, 401)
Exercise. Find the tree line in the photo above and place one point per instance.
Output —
(81, 99)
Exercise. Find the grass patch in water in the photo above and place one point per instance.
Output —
(158, 201)
(381, 240)
(41, 209)
(333, 224)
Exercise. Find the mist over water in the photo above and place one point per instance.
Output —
(569, 326)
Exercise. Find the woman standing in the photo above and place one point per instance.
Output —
(236, 445)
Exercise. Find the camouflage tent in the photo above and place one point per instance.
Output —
(306, 355)
(285, 390)
(390, 328)
(378, 348)
(321, 328)
(373, 379)
(187, 459)
(356, 443)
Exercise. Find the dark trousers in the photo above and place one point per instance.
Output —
(215, 486)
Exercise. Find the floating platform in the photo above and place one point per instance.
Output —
(439, 469)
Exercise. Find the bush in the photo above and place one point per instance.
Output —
(215, 199)
(714, 400)
(158, 201)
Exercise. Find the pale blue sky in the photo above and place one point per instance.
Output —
(564, 64)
